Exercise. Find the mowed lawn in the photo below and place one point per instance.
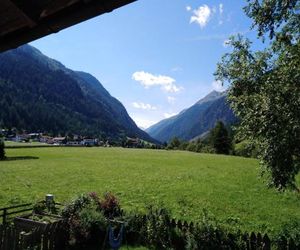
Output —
(186, 183)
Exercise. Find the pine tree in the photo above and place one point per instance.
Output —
(220, 139)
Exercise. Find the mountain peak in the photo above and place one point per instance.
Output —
(196, 120)
(211, 97)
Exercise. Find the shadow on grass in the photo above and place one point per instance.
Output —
(20, 158)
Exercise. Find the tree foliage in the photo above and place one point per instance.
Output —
(220, 139)
(265, 87)
(174, 143)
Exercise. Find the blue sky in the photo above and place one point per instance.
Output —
(156, 56)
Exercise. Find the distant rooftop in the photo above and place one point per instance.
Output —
(22, 21)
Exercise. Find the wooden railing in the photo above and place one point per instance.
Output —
(13, 237)
(7, 212)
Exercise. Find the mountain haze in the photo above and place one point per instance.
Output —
(196, 120)
(40, 94)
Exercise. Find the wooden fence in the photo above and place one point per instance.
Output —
(17, 237)
(252, 241)
(7, 213)
(49, 238)
(52, 236)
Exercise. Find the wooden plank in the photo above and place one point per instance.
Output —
(13, 239)
(17, 239)
(19, 211)
(292, 245)
(1, 235)
(179, 224)
(56, 6)
(252, 241)
(26, 240)
(21, 19)
(259, 240)
(67, 17)
(54, 236)
(7, 238)
(267, 242)
(17, 206)
(47, 236)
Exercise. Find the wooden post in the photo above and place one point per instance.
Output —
(292, 244)
(252, 241)
(267, 243)
(1, 235)
(4, 216)
(259, 240)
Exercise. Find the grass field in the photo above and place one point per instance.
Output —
(228, 187)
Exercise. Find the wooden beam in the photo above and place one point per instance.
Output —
(56, 6)
(74, 14)
(17, 13)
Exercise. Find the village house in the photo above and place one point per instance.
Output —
(46, 139)
(22, 138)
(59, 140)
(89, 142)
(133, 142)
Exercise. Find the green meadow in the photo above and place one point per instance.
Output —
(186, 183)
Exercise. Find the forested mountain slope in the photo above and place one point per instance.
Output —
(40, 94)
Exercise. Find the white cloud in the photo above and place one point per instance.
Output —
(221, 8)
(149, 80)
(143, 123)
(201, 15)
(218, 86)
(188, 8)
(172, 88)
(145, 106)
(171, 99)
(168, 115)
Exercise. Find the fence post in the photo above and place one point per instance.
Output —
(267, 243)
(4, 216)
(259, 240)
(252, 241)
(292, 244)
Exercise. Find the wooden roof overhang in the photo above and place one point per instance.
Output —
(22, 21)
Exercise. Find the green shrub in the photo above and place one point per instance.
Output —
(288, 231)
(207, 149)
(156, 229)
(192, 147)
(174, 144)
(76, 205)
(246, 149)
(85, 219)
(86, 225)
(42, 208)
(110, 205)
